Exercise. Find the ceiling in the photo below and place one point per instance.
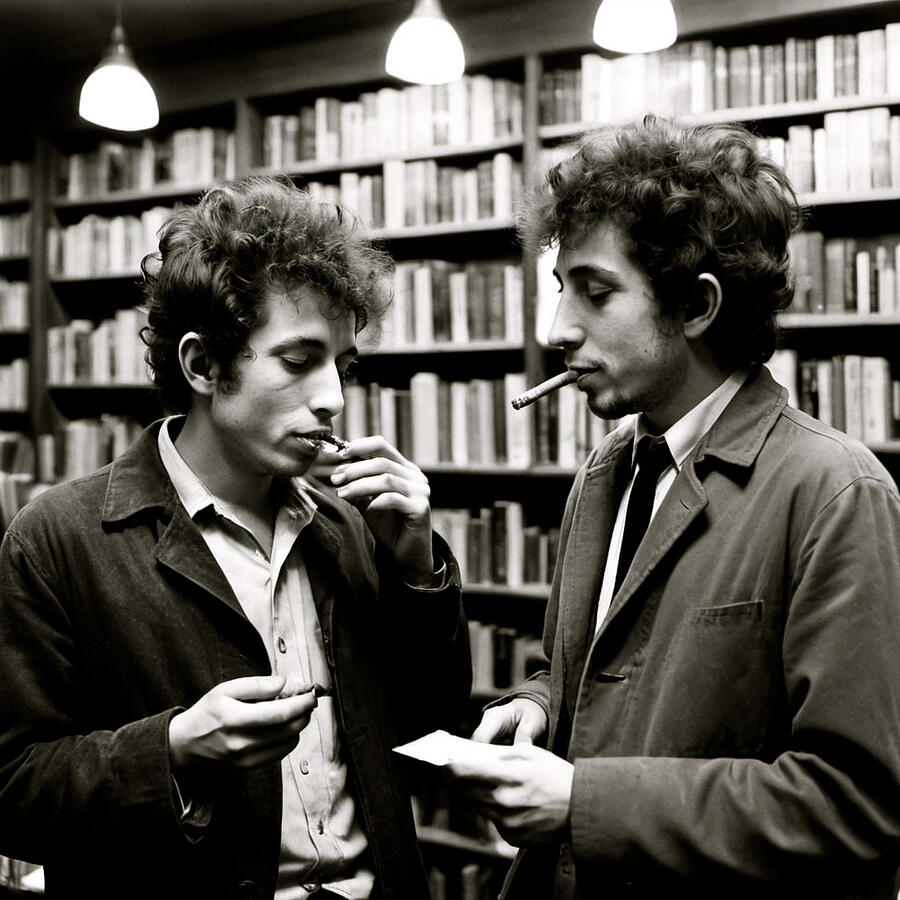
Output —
(40, 34)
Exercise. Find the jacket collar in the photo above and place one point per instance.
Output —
(739, 433)
(138, 480)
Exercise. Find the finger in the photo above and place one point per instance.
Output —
(490, 729)
(525, 733)
(482, 771)
(377, 465)
(287, 711)
(375, 445)
(251, 687)
(384, 484)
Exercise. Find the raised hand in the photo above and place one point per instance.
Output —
(393, 495)
(239, 725)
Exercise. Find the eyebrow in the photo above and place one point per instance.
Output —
(590, 271)
(298, 342)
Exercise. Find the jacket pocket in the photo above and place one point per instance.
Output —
(721, 615)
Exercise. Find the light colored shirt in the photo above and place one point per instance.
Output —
(321, 840)
(681, 439)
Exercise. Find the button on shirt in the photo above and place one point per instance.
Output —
(321, 840)
(681, 439)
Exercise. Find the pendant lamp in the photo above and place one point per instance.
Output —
(635, 26)
(426, 49)
(116, 95)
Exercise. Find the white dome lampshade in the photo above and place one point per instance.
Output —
(426, 49)
(635, 26)
(116, 95)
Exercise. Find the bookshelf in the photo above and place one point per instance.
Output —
(435, 175)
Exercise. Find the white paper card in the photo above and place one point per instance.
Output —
(441, 747)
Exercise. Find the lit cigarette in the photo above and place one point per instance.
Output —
(544, 388)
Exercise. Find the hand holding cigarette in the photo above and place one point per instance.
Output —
(544, 388)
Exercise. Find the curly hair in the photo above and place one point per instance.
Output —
(688, 200)
(218, 259)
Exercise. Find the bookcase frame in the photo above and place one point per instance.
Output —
(527, 40)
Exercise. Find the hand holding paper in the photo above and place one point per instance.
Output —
(525, 790)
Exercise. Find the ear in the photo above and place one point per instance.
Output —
(704, 306)
(201, 372)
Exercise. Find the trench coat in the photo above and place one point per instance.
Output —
(114, 615)
(734, 723)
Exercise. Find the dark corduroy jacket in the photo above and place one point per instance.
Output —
(114, 615)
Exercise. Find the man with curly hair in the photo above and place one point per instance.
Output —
(207, 656)
(720, 716)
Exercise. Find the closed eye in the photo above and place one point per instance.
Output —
(295, 363)
(348, 372)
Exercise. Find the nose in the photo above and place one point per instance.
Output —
(327, 397)
(566, 330)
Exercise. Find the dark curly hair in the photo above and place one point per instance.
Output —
(218, 258)
(688, 200)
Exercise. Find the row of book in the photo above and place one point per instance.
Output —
(698, 76)
(424, 192)
(471, 422)
(845, 274)
(475, 109)
(13, 305)
(494, 545)
(436, 300)
(854, 151)
(102, 245)
(109, 352)
(81, 446)
(502, 657)
(186, 157)
(855, 394)
(15, 234)
(14, 386)
(15, 180)
(464, 881)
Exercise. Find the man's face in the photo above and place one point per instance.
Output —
(286, 387)
(630, 357)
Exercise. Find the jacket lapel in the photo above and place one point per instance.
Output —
(183, 550)
(735, 439)
(684, 502)
(139, 486)
(585, 555)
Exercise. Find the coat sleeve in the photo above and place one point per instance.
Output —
(538, 687)
(59, 777)
(830, 802)
(426, 648)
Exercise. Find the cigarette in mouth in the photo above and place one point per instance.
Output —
(544, 388)
(340, 443)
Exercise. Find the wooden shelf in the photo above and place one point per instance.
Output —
(132, 197)
(443, 837)
(444, 347)
(537, 471)
(107, 277)
(443, 229)
(306, 168)
(766, 113)
(524, 592)
(798, 321)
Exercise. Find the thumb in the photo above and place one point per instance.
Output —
(528, 728)
(251, 687)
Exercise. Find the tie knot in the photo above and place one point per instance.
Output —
(653, 455)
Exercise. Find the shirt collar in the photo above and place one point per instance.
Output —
(682, 437)
(196, 497)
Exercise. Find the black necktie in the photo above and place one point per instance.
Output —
(653, 458)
